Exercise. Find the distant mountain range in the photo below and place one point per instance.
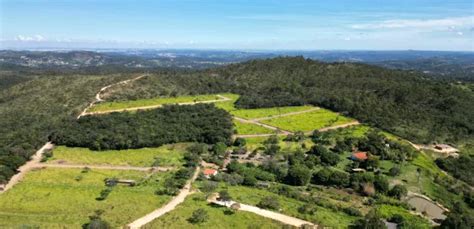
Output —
(446, 65)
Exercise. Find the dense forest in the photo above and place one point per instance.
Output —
(35, 105)
(170, 124)
(405, 103)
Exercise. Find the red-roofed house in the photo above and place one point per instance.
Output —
(359, 156)
(209, 172)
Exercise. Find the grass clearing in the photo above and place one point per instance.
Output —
(387, 211)
(249, 128)
(290, 207)
(107, 106)
(267, 112)
(217, 218)
(167, 155)
(57, 198)
(308, 121)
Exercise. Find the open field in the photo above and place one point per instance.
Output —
(308, 121)
(106, 106)
(267, 112)
(167, 155)
(249, 128)
(217, 217)
(64, 198)
(323, 216)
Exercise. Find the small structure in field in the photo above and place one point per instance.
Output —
(359, 156)
(208, 173)
(112, 182)
(358, 170)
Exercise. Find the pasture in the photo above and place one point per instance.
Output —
(167, 155)
(118, 105)
(249, 128)
(309, 121)
(64, 198)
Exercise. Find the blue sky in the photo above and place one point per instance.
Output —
(253, 24)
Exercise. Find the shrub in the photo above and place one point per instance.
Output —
(307, 209)
(96, 222)
(269, 203)
(352, 211)
(398, 191)
(199, 216)
(394, 171)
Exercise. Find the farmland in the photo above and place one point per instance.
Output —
(58, 198)
(168, 155)
(118, 105)
(308, 121)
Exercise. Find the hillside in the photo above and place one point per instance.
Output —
(404, 103)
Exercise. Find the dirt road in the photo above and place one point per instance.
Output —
(266, 213)
(99, 99)
(111, 167)
(222, 99)
(262, 125)
(286, 114)
(184, 192)
(35, 160)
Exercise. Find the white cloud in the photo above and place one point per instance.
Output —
(450, 23)
(460, 33)
(29, 38)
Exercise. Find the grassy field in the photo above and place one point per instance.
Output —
(289, 206)
(413, 221)
(308, 121)
(217, 217)
(168, 155)
(64, 198)
(267, 112)
(106, 106)
(248, 128)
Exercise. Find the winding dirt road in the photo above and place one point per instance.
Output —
(35, 160)
(183, 193)
(99, 99)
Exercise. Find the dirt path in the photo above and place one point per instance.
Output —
(35, 160)
(354, 123)
(266, 213)
(286, 114)
(99, 99)
(222, 99)
(262, 125)
(184, 192)
(111, 167)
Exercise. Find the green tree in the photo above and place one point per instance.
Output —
(269, 203)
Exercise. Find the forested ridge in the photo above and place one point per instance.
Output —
(405, 103)
(150, 128)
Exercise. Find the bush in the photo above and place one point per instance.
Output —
(269, 203)
(352, 211)
(199, 216)
(96, 222)
(240, 142)
(307, 209)
(398, 191)
(394, 171)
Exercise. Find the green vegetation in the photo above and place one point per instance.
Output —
(31, 110)
(64, 198)
(267, 112)
(167, 155)
(308, 121)
(218, 217)
(249, 128)
(149, 128)
(409, 220)
(324, 216)
(118, 105)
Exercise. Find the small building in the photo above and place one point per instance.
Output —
(359, 156)
(358, 170)
(208, 173)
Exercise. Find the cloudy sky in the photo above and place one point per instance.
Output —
(231, 24)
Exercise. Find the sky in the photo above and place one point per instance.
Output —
(239, 25)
